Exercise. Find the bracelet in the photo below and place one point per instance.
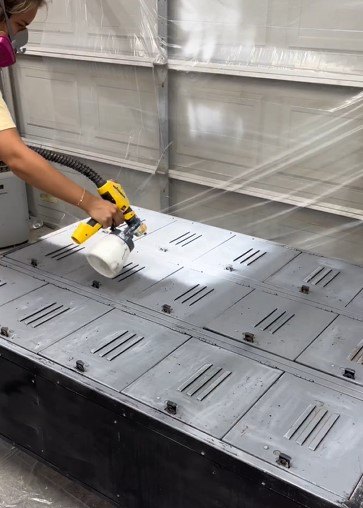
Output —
(82, 198)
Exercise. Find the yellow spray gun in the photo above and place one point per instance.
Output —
(114, 193)
(108, 256)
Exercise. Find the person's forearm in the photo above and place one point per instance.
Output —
(33, 169)
(36, 171)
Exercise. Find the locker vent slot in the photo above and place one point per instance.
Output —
(2, 283)
(322, 276)
(250, 256)
(114, 346)
(185, 239)
(312, 426)
(204, 382)
(128, 271)
(275, 320)
(64, 252)
(357, 355)
(194, 295)
(44, 314)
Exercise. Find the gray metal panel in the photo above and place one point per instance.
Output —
(154, 220)
(320, 429)
(116, 348)
(55, 254)
(331, 282)
(185, 240)
(245, 256)
(357, 304)
(141, 271)
(192, 296)
(46, 315)
(14, 284)
(279, 325)
(211, 387)
(338, 350)
(59, 255)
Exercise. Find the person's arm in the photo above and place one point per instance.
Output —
(33, 169)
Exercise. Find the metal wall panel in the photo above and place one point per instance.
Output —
(272, 323)
(44, 316)
(331, 282)
(205, 386)
(116, 349)
(319, 429)
(192, 296)
(338, 350)
(244, 256)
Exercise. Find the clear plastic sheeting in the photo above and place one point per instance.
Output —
(300, 35)
(119, 28)
(26, 483)
(297, 143)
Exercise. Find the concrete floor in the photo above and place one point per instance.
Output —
(25, 483)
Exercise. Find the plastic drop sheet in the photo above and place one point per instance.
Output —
(257, 121)
(279, 159)
(25, 483)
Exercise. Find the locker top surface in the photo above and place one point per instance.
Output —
(240, 355)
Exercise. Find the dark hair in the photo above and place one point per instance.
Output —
(20, 6)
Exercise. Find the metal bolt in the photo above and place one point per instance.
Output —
(305, 290)
(167, 308)
(249, 337)
(171, 407)
(96, 284)
(80, 365)
(34, 263)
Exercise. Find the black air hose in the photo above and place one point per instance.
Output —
(69, 162)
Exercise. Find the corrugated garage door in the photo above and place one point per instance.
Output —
(259, 97)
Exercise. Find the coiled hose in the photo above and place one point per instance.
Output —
(69, 162)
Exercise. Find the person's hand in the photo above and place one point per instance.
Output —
(105, 213)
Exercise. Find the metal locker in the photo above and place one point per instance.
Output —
(328, 281)
(14, 284)
(142, 270)
(185, 240)
(338, 350)
(356, 305)
(115, 349)
(56, 254)
(204, 386)
(192, 296)
(307, 430)
(273, 323)
(244, 256)
(59, 255)
(44, 316)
